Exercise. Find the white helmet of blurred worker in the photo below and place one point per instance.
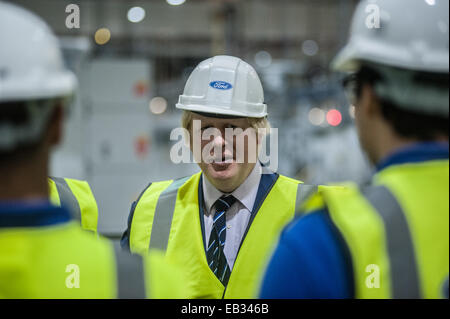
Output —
(411, 34)
(31, 71)
(224, 85)
(401, 39)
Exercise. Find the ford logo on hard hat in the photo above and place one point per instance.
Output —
(220, 85)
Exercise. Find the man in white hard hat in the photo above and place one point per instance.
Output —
(389, 239)
(44, 253)
(220, 223)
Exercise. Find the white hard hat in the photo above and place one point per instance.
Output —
(31, 72)
(411, 34)
(224, 85)
(31, 65)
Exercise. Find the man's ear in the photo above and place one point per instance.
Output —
(260, 137)
(371, 102)
(56, 124)
(188, 138)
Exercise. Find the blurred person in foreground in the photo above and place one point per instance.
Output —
(388, 239)
(44, 253)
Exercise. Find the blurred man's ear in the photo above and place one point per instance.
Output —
(370, 103)
(56, 124)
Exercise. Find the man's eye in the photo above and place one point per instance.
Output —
(206, 127)
(231, 126)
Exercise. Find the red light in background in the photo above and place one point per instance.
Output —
(142, 146)
(334, 117)
(140, 88)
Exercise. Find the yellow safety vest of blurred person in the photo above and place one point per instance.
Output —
(63, 261)
(167, 217)
(76, 196)
(396, 230)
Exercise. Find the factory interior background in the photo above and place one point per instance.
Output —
(132, 59)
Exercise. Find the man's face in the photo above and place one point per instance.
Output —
(226, 158)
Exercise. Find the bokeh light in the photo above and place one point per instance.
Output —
(263, 59)
(175, 2)
(158, 105)
(334, 117)
(310, 47)
(316, 116)
(136, 14)
(351, 111)
(102, 36)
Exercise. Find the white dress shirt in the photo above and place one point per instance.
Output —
(237, 216)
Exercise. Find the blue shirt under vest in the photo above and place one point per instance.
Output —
(31, 213)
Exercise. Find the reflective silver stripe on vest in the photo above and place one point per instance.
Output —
(164, 213)
(303, 193)
(67, 198)
(404, 274)
(130, 274)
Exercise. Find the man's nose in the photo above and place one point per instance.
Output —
(219, 139)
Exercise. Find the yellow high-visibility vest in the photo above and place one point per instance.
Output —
(167, 216)
(397, 230)
(77, 196)
(63, 261)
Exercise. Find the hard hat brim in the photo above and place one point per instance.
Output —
(217, 110)
(345, 60)
(218, 116)
(62, 84)
(358, 51)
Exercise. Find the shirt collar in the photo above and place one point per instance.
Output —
(418, 152)
(245, 193)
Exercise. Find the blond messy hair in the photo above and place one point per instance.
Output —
(255, 123)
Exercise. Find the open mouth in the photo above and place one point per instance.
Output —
(225, 159)
(220, 164)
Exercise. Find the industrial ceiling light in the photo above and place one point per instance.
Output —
(136, 14)
(175, 2)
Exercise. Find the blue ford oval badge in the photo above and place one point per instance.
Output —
(220, 85)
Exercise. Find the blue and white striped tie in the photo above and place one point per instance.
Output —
(215, 250)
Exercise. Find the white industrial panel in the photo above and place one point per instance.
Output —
(126, 146)
(118, 81)
(118, 138)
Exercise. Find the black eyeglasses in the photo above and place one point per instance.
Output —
(354, 82)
